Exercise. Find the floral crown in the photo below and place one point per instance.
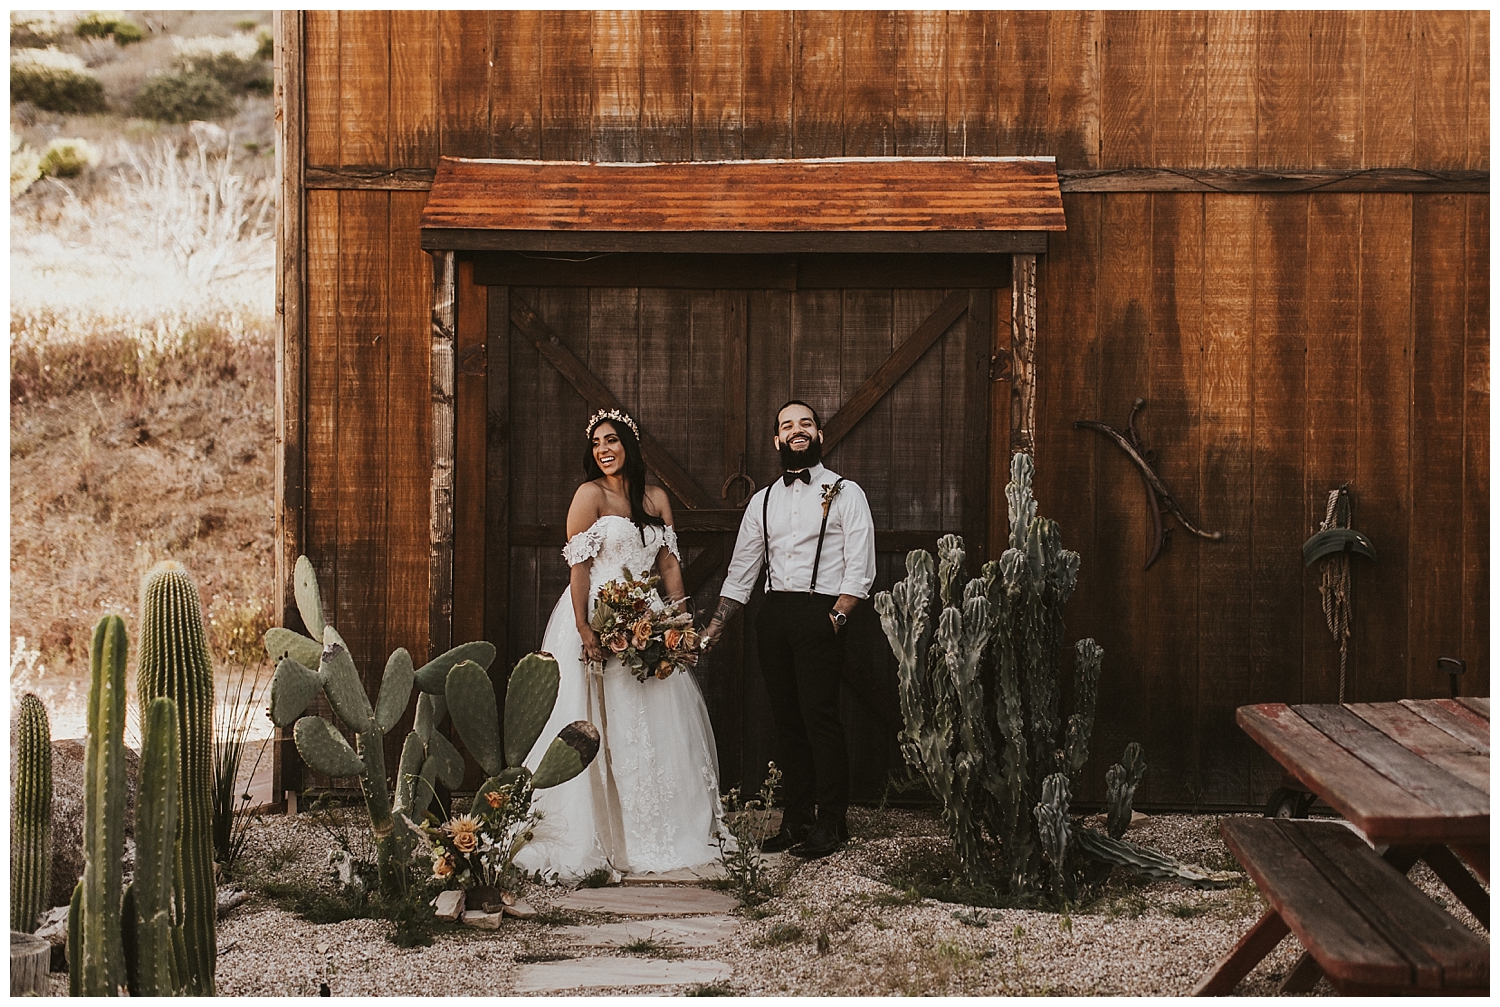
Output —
(611, 414)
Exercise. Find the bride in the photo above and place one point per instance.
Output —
(650, 801)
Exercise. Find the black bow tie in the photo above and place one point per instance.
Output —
(787, 478)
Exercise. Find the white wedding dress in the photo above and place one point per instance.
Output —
(650, 800)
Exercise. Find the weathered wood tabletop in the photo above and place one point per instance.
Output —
(1412, 773)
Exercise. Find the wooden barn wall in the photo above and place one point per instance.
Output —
(1284, 343)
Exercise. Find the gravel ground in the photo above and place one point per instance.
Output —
(1135, 940)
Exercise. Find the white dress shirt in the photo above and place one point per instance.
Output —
(795, 514)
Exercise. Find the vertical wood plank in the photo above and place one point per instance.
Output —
(322, 86)
(464, 95)
(973, 85)
(1336, 116)
(1179, 89)
(977, 336)
(516, 87)
(869, 41)
(567, 85)
(1276, 522)
(667, 86)
(818, 84)
(768, 40)
(1383, 401)
(529, 382)
(1023, 349)
(1126, 103)
(664, 358)
(921, 118)
(1068, 370)
(1125, 285)
(1224, 585)
(1439, 225)
(1282, 87)
(1388, 127)
(817, 322)
(1073, 87)
(864, 343)
(415, 71)
(1022, 97)
(470, 407)
(614, 343)
(998, 390)
(1479, 90)
(1229, 117)
(916, 466)
(734, 340)
(321, 524)
(364, 351)
(365, 62)
(768, 363)
(1476, 546)
(1174, 347)
(1441, 61)
(955, 381)
(617, 59)
(718, 85)
(440, 509)
(291, 318)
(497, 480)
(1332, 431)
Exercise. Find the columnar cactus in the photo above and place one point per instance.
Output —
(426, 756)
(96, 956)
(174, 662)
(981, 702)
(155, 948)
(529, 698)
(1120, 781)
(31, 816)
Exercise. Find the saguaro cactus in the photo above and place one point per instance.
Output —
(426, 756)
(155, 949)
(96, 956)
(174, 662)
(529, 698)
(31, 816)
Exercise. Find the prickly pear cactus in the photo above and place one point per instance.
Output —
(31, 816)
(305, 668)
(174, 663)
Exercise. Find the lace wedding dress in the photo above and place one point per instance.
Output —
(650, 800)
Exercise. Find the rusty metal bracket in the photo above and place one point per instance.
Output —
(1157, 494)
(738, 476)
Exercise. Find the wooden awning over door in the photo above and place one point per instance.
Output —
(914, 204)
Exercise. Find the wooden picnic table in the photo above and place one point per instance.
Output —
(1413, 777)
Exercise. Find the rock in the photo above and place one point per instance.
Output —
(229, 898)
(67, 815)
(1136, 818)
(482, 920)
(618, 972)
(30, 958)
(450, 904)
(649, 901)
(520, 909)
(54, 930)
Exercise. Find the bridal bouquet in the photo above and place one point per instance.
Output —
(635, 625)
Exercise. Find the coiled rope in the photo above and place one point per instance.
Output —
(1335, 585)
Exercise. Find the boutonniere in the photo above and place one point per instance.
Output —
(830, 491)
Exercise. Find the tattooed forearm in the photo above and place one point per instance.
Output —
(727, 608)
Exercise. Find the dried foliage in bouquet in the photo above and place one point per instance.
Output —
(633, 622)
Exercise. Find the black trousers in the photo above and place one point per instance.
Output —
(801, 658)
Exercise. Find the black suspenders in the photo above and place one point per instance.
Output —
(765, 538)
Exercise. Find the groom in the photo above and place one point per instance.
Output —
(809, 534)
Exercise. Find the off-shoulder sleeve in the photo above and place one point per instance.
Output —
(583, 547)
(669, 539)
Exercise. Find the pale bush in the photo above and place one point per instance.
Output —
(25, 166)
(68, 157)
(55, 81)
(234, 60)
(38, 28)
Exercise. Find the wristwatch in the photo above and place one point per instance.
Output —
(839, 618)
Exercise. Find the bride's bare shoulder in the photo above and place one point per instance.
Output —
(587, 505)
(657, 503)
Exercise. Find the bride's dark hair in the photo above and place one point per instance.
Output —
(635, 472)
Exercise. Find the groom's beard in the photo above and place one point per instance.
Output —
(804, 459)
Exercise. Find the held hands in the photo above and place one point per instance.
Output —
(710, 634)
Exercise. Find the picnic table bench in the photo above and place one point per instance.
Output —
(1413, 778)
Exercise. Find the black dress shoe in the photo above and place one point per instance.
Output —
(789, 836)
(821, 841)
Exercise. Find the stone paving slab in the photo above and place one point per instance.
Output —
(577, 972)
(686, 932)
(643, 900)
(681, 876)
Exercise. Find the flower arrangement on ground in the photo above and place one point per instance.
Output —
(478, 848)
(652, 638)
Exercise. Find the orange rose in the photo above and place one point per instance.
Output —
(642, 633)
(442, 867)
(497, 799)
(690, 638)
(673, 639)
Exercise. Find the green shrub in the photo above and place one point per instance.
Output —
(267, 48)
(234, 61)
(183, 97)
(101, 25)
(68, 157)
(55, 81)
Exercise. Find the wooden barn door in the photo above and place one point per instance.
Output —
(900, 375)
